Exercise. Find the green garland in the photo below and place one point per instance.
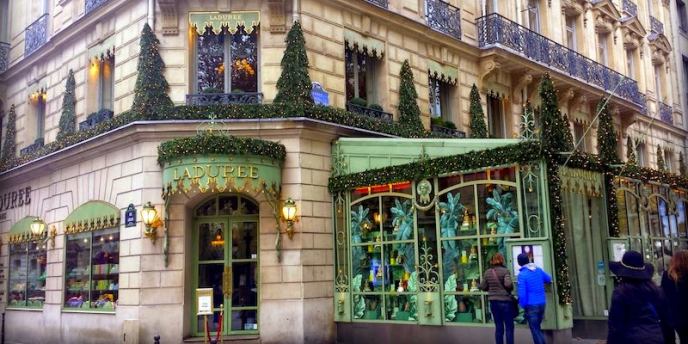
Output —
(210, 143)
(519, 153)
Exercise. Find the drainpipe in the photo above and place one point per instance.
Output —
(151, 14)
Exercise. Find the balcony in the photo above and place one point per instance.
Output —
(91, 5)
(96, 118)
(4, 56)
(497, 31)
(630, 8)
(32, 147)
(36, 35)
(380, 3)
(369, 112)
(666, 113)
(203, 99)
(443, 131)
(656, 26)
(443, 17)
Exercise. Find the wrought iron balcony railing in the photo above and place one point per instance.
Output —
(381, 3)
(32, 147)
(443, 17)
(4, 56)
(35, 35)
(366, 111)
(224, 98)
(656, 26)
(91, 5)
(497, 31)
(666, 113)
(630, 8)
(447, 131)
(96, 118)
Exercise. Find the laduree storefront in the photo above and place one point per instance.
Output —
(101, 272)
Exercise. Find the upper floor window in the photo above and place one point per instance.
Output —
(534, 15)
(106, 83)
(668, 160)
(579, 136)
(37, 101)
(630, 63)
(641, 154)
(649, 7)
(682, 19)
(27, 274)
(227, 62)
(602, 49)
(440, 105)
(658, 82)
(361, 76)
(571, 33)
(685, 82)
(492, 6)
(495, 116)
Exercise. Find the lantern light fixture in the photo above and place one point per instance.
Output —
(37, 227)
(289, 216)
(151, 219)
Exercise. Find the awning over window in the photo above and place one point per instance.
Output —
(230, 20)
(21, 231)
(442, 72)
(368, 45)
(103, 50)
(92, 215)
(581, 181)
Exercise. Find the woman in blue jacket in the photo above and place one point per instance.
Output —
(637, 310)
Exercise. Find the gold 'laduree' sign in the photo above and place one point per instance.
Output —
(231, 21)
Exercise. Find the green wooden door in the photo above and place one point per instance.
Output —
(225, 251)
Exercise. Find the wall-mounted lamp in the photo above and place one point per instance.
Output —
(289, 216)
(152, 221)
(37, 227)
(51, 236)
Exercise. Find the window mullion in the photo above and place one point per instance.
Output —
(90, 270)
(228, 61)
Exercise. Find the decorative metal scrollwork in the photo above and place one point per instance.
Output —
(428, 279)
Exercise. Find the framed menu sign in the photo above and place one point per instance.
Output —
(204, 301)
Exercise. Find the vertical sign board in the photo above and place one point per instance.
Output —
(320, 96)
(204, 301)
(130, 216)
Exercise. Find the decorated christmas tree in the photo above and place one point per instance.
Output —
(150, 91)
(478, 126)
(681, 165)
(9, 148)
(68, 119)
(630, 152)
(555, 132)
(660, 160)
(568, 137)
(409, 112)
(606, 136)
(294, 84)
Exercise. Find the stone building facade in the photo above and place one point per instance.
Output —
(355, 50)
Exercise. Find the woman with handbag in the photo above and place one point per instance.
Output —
(498, 284)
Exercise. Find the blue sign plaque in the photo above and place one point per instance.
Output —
(320, 96)
(130, 216)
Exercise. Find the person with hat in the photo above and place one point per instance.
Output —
(637, 310)
(531, 295)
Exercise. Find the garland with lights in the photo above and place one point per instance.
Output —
(409, 112)
(150, 91)
(9, 148)
(67, 123)
(606, 136)
(568, 137)
(211, 143)
(477, 125)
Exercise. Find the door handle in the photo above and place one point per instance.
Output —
(227, 281)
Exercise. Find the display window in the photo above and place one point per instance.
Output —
(27, 274)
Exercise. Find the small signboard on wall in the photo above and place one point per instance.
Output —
(130, 216)
(204, 301)
(320, 96)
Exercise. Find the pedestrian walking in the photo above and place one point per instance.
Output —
(675, 287)
(498, 284)
(637, 308)
(531, 295)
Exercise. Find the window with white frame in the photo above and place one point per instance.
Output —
(571, 42)
(534, 15)
(602, 49)
(361, 76)
(669, 160)
(658, 82)
(440, 106)
(630, 63)
(641, 154)
(227, 62)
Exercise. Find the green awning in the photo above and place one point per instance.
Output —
(250, 174)
(368, 45)
(21, 231)
(92, 215)
(443, 72)
(585, 182)
(229, 20)
(102, 50)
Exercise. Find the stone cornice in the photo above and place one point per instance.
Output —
(142, 131)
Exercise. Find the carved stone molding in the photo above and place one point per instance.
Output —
(487, 67)
(170, 18)
(525, 80)
(278, 19)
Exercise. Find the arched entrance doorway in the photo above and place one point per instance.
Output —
(225, 258)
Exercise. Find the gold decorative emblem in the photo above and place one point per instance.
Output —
(424, 189)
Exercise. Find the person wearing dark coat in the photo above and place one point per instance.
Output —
(498, 284)
(638, 310)
(675, 287)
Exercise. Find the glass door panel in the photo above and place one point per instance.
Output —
(209, 237)
(244, 261)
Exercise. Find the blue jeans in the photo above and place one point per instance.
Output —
(504, 318)
(534, 314)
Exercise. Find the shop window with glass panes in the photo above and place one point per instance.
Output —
(361, 75)
(440, 106)
(227, 62)
(27, 274)
(92, 270)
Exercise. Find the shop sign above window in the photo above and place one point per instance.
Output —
(216, 21)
